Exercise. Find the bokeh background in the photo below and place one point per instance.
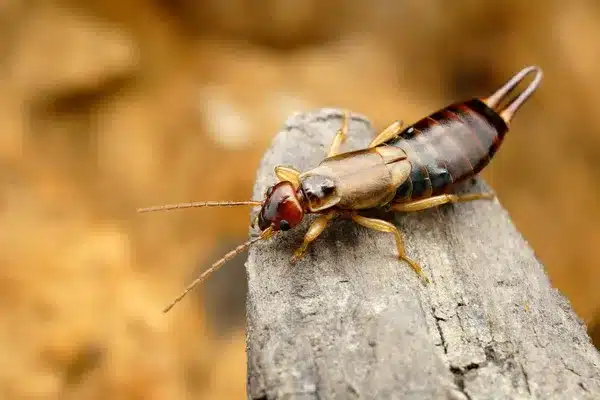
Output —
(106, 106)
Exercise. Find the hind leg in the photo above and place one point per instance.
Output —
(438, 201)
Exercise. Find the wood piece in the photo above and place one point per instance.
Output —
(351, 321)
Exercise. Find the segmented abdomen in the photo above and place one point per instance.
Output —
(447, 147)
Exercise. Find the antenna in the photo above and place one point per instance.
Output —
(168, 207)
(264, 235)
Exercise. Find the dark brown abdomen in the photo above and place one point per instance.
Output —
(448, 147)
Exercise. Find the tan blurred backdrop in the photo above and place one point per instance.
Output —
(107, 106)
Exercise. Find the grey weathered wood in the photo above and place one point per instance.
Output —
(351, 321)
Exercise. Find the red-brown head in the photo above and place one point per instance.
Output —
(282, 208)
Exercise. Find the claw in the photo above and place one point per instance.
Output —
(298, 254)
(417, 269)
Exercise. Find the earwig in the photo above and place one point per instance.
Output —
(402, 170)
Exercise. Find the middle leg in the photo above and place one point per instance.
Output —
(388, 133)
(384, 226)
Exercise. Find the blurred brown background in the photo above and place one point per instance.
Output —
(108, 106)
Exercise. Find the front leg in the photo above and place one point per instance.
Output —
(340, 135)
(314, 230)
(288, 174)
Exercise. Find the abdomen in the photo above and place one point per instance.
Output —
(448, 147)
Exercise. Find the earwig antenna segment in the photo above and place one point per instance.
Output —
(168, 207)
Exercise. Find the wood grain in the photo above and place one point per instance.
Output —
(350, 321)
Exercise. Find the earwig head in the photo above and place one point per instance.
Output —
(282, 208)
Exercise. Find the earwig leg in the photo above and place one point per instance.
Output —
(288, 174)
(339, 137)
(438, 201)
(388, 133)
(384, 226)
(315, 229)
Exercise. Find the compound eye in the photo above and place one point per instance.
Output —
(284, 225)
